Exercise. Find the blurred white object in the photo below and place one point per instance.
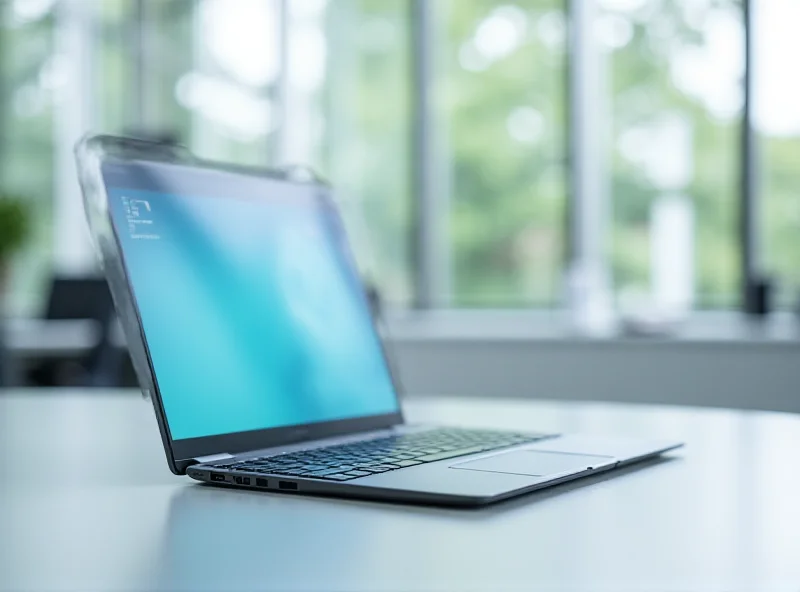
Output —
(777, 45)
(664, 150)
(589, 300)
(587, 281)
(672, 159)
(672, 275)
(672, 256)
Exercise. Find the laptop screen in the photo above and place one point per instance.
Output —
(251, 307)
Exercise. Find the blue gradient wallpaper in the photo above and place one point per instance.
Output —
(252, 313)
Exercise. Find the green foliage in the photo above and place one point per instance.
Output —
(15, 225)
(507, 191)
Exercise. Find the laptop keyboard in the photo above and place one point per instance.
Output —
(358, 459)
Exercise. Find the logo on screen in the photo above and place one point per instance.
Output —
(138, 215)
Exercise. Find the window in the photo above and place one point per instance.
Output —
(502, 102)
(674, 73)
(365, 133)
(340, 106)
(168, 53)
(211, 71)
(115, 84)
(777, 119)
(339, 85)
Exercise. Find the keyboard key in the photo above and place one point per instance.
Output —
(408, 463)
(451, 453)
(343, 468)
(357, 473)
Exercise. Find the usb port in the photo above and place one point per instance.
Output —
(217, 477)
(287, 485)
(242, 480)
(261, 482)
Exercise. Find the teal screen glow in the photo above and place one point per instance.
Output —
(250, 305)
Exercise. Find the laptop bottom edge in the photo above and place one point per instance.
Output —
(362, 490)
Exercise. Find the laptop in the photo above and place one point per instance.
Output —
(250, 330)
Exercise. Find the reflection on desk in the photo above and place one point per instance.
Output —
(91, 505)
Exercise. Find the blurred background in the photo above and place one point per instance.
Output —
(572, 199)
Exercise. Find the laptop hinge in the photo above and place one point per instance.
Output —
(212, 458)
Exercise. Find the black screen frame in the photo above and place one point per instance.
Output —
(182, 453)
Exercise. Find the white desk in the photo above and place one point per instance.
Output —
(87, 503)
(30, 340)
(35, 338)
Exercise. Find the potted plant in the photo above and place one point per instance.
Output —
(15, 228)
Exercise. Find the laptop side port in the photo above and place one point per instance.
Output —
(261, 482)
(218, 477)
(287, 485)
(242, 480)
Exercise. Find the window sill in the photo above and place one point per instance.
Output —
(712, 327)
(42, 338)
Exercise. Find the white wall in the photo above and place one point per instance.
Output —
(744, 374)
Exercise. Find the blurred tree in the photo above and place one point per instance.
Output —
(503, 102)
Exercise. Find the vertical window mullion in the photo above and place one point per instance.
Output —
(75, 39)
(431, 216)
(588, 276)
(748, 204)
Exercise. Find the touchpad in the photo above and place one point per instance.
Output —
(535, 463)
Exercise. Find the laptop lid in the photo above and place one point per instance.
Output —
(253, 317)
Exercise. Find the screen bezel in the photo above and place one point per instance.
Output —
(183, 452)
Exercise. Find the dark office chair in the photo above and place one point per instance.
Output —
(75, 298)
(82, 298)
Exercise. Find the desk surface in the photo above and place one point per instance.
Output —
(721, 515)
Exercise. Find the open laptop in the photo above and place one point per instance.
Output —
(263, 359)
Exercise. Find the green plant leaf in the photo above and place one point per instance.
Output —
(15, 224)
